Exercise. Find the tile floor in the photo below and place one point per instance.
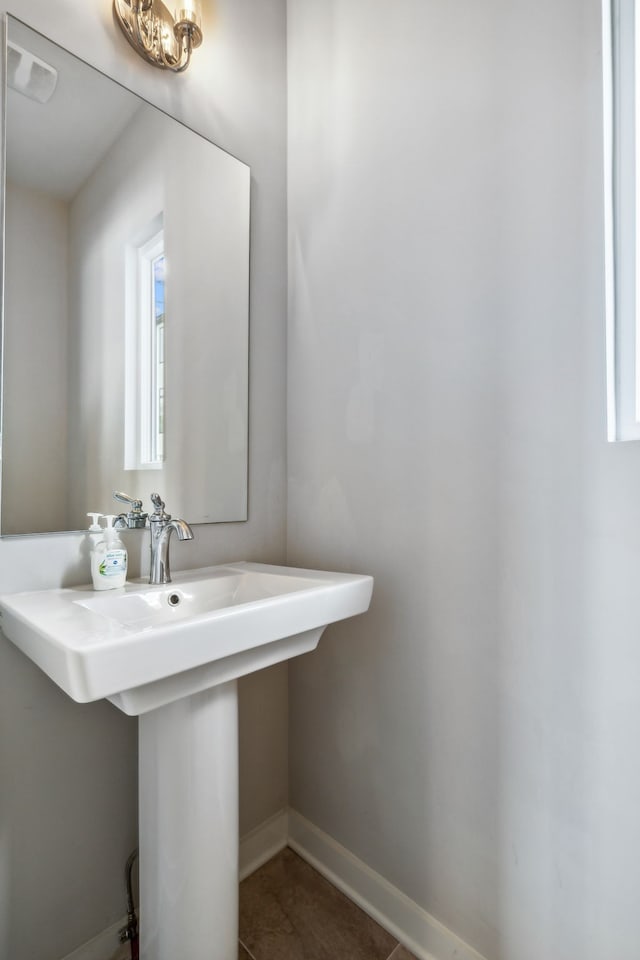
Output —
(289, 912)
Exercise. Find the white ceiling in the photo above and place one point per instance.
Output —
(53, 147)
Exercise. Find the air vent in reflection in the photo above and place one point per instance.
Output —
(29, 75)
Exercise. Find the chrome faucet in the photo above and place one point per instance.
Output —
(162, 526)
(135, 519)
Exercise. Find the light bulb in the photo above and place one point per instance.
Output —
(187, 12)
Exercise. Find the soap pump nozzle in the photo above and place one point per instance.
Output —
(94, 526)
(110, 532)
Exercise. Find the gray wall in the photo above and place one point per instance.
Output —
(39, 229)
(474, 737)
(68, 773)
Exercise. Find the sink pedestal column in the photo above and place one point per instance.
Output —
(188, 809)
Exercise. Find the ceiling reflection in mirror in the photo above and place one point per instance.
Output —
(125, 296)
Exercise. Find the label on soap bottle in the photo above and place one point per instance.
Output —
(113, 564)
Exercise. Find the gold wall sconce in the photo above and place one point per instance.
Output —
(164, 40)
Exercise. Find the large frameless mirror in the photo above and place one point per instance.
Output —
(125, 301)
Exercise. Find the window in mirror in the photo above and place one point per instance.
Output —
(156, 361)
(150, 324)
(145, 351)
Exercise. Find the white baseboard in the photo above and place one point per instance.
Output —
(421, 934)
(264, 842)
(418, 931)
(106, 946)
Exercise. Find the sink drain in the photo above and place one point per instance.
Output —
(174, 599)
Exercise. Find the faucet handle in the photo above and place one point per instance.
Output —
(135, 519)
(159, 508)
(136, 505)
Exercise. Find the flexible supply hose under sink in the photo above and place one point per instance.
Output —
(129, 933)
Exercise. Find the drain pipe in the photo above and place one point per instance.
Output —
(130, 932)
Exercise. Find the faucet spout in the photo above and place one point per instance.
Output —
(162, 526)
(182, 529)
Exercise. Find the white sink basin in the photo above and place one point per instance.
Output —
(171, 655)
(144, 646)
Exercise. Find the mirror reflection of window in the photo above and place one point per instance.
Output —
(145, 351)
(157, 361)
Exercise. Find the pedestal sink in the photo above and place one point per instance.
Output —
(171, 655)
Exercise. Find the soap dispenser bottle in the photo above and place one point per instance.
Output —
(109, 559)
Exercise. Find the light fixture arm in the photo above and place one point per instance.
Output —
(159, 38)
